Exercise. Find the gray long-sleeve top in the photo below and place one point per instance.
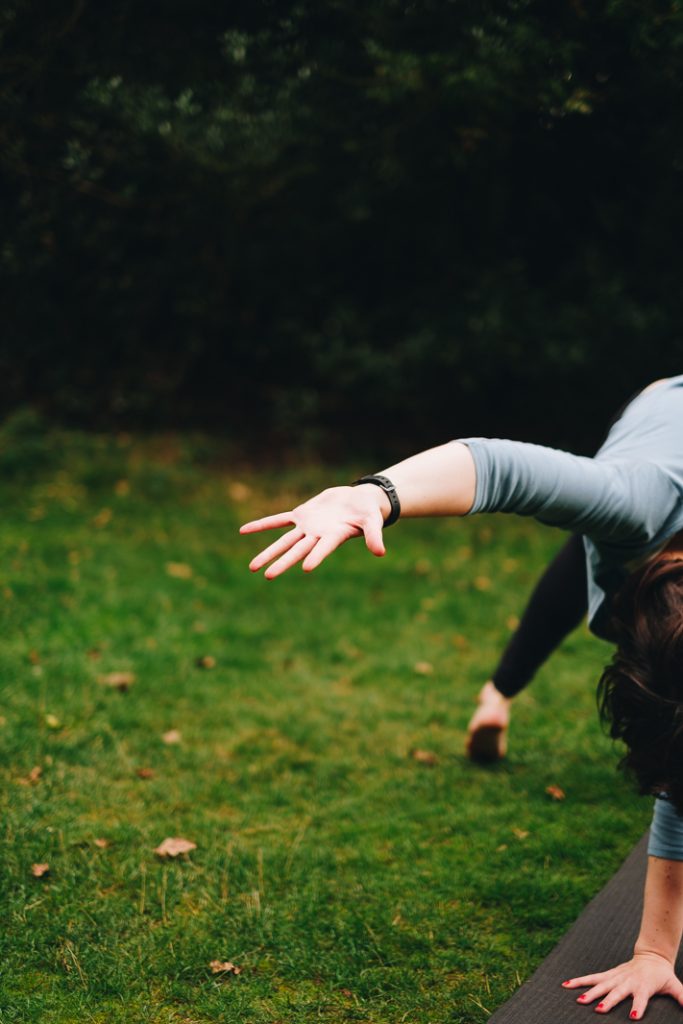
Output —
(626, 502)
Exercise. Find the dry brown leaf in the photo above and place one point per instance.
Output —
(52, 722)
(206, 661)
(38, 870)
(102, 844)
(145, 773)
(94, 653)
(122, 488)
(424, 756)
(512, 621)
(103, 518)
(172, 736)
(121, 681)
(460, 641)
(423, 567)
(174, 846)
(347, 993)
(423, 668)
(33, 777)
(179, 570)
(34, 657)
(555, 792)
(482, 583)
(520, 833)
(239, 491)
(224, 967)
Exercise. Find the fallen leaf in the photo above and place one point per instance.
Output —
(423, 567)
(512, 621)
(424, 756)
(34, 657)
(33, 776)
(122, 488)
(172, 736)
(460, 641)
(38, 870)
(555, 792)
(206, 661)
(145, 773)
(174, 846)
(179, 570)
(423, 668)
(52, 722)
(102, 844)
(103, 518)
(520, 833)
(94, 653)
(501, 848)
(239, 491)
(482, 583)
(224, 967)
(121, 681)
(347, 993)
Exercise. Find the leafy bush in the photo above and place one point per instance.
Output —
(327, 222)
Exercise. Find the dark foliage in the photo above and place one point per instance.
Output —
(404, 221)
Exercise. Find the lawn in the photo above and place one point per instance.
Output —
(346, 878)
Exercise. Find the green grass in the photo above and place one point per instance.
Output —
(349, 881)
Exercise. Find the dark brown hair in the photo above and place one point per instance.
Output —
(640, 693)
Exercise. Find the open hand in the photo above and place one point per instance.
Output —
(646, 975)
(320, 526)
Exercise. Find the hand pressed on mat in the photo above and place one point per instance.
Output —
(646, 975)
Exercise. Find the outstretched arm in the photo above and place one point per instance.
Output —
(620, 501)
(651, 970)
(437, 482)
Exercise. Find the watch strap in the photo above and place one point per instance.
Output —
(385, 483)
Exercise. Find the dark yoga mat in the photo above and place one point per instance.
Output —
(602, 937)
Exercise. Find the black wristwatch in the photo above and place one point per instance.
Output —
(385, 483)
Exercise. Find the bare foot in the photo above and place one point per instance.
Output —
(487, 731)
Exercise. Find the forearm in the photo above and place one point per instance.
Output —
(438, 482)
(662, 922)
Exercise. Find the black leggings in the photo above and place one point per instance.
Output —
(556, 607)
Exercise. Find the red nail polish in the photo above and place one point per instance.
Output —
(600, 1006)
(566, 982)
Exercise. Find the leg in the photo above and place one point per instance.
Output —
(556, 606)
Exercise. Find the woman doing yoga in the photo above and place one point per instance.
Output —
(624, 562)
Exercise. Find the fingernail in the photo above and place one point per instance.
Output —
(633, 1015)
(600, 1006)
(566, 982)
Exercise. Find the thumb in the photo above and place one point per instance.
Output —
(675, 989)
(372, 529)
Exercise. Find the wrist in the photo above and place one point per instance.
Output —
(641, 951)
(384, 484)
(378, 496)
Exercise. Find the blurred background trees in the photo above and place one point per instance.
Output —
(305, 222)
